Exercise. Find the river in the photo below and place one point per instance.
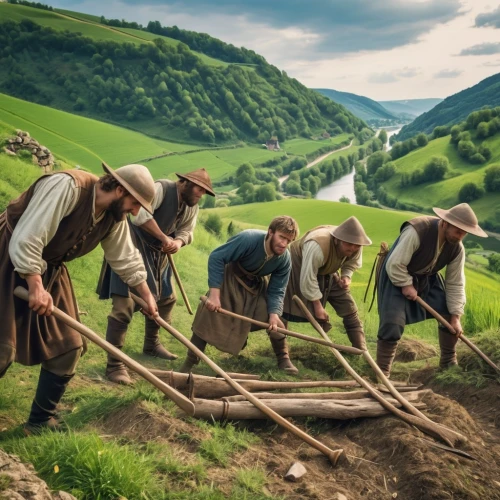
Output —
(345, 185)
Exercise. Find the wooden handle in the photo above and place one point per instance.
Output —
(333, 455)
(179, 283)
(462, 337)
(179, 399)
(449, 436)
(350, 350)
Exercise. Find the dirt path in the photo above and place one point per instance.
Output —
(317, 160)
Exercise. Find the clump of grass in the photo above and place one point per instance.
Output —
(252, 479)
(5, 481)
(456, 376)
(88, 468)
(224, 441)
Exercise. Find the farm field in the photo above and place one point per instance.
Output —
(446, 191)
(302, 146)
(82, 140)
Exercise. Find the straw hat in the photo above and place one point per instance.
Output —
(137, 180)
(199, 177)
(351, 231)
(463, 217)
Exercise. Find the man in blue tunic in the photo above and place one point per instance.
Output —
(170, 227)
(247, 275)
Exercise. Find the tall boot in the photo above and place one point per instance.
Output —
(447, 344)
(192, 359)
(152, 344)
(49, 392)
(354, 330)
(280, 348)
(386, 351)
(116, 371)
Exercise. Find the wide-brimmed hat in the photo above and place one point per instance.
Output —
(351, 231)
(137, 180)
(199, 177)
(463, 217)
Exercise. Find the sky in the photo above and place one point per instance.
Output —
(388, 50)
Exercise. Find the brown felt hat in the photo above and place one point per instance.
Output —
(463, 217)
(199, 177)
(137, 180)
(351, 231)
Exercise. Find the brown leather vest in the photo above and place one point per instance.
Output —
(76, 234)
(322, 235)
(422, 260)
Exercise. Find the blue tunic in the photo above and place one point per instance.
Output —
(247, 248)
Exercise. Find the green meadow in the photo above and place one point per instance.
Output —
(302, 146)
(445, 192)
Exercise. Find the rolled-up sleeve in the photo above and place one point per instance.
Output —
(185, 229)
(277, 287)
(122, 255)
(54, 198)
(312, 260)
(455, 284)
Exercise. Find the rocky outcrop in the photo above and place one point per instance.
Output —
(40, 155)
(19, 482)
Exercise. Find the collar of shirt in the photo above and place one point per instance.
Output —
(268, 256)
(95, 219)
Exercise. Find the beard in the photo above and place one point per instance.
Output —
(276, 249)
(116, 210)
(189, 197)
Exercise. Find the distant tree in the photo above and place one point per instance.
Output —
(477, 159)
(484, 151)
(494, 263)
(422, 140)
(247, 192)
(482, 130)
(470, 192)
(245, 173)
(385, 172)
(376, 160)
(293, 187)
(466, 149)
(435, 169)
(383, 136)
(455, 132)
(440, 131)
(266, 192)
(209, 202)
(344, 199)
(213, 224)
(492, 179)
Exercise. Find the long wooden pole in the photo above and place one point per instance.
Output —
(345, 348)
(179, 283)
(462, 337)
(333, 455)
(179, 399)
(449, 436)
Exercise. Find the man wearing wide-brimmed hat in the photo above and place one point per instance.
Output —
(425, 246)
(171, 226)
(61, 217)
(323, 262)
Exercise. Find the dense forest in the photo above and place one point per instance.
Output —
(166, 86)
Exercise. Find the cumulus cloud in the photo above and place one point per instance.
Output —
(448, 73)
(482, 49)
(340, 27)
(489, 19)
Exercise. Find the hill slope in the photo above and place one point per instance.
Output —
(161, 88)
(361, 106)
(410, 107)
(456, 107)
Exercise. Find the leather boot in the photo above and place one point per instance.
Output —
(116, 371)
(354, 330)
(386, 351)
(192, 359)
(447, 344)
(152, 344)
(49, 392)
(280, 348)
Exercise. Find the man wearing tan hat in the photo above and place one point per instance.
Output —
(323, 262)
(425, 246)
(171, 226)
(61, 217)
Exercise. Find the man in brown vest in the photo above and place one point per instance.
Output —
(323, 262)
(171, 226)
(59, 218)
(425, 246)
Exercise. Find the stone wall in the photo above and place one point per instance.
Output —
(40, 155)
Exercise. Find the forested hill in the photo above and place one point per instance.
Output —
(363, 107)
(456, 108)
(158, 86)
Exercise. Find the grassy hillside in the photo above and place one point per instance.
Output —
(456, 107)
(361, 106)
(410, 107)
(159, 87)
(445, 192)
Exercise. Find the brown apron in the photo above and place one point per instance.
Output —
(242, 293)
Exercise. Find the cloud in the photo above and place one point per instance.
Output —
(491, 63)
(339, 27)
(448, 73)
(489, 19)
(393, 76)
(482, 49)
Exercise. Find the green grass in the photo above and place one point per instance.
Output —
(445, 193)
(302, 146)
(82, 140)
